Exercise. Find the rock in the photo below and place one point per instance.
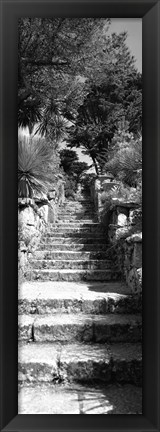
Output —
(134, 280)
(122, 219)
(137, 255)
(134, 238)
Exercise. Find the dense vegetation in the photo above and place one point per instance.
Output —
(77, 83)
(74, 171)
(56, 58)
(118, 96)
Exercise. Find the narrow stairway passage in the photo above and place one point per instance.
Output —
(80, 329)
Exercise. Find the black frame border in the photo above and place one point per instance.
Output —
(149, 11)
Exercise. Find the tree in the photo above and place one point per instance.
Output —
(53, 54)
(68, 158)
(71, 165)
(119, 95)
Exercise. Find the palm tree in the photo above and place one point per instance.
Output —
(29, 112)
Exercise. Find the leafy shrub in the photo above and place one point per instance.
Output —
(125, 161)
(70, 187)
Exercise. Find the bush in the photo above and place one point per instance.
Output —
(70, 187)
(34, 172)
(125, 162)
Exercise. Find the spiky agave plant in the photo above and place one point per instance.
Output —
(34, 173)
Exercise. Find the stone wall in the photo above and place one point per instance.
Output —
(32, 220)
(127, 250)
(33, 217)
(118, 223)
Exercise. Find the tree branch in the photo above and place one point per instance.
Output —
(42, 63)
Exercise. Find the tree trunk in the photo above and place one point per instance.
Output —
(95, 165)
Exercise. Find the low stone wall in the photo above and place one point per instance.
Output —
(127, 250)
(33, 217)
(32, 221)
(133, 262)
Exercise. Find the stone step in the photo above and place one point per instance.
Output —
(89, 298)
(71, 264)
(72, 223)
(49, 362)
(84, 214)
(72, 228)
(69, 255)
(77, 204)
(79, 233)
(80, 327)
(85, 247)
(75, 218)
(79, 399)
(72, 275)
(74, 208)
(78, 239)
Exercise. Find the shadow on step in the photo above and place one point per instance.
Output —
(113, 399)
(80, 399)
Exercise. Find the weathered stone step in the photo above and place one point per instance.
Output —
(71, 264)
(72, 275)
(77, 222)
(48, 362)
(75, 218)
(79, 228)
(78, 239)
(82, 328)
(86, 247)
(77, 204)
(79, 399)
(74, 234)
(76, 208)
(70, 255)
(69, 297)
(67, 218)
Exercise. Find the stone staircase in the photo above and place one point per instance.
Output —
(79, 327)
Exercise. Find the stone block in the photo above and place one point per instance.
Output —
(134, 280)
(25, 323)
(52, 195)
(122, 219)
(26, 216)
(44, 212)
(137, 255)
